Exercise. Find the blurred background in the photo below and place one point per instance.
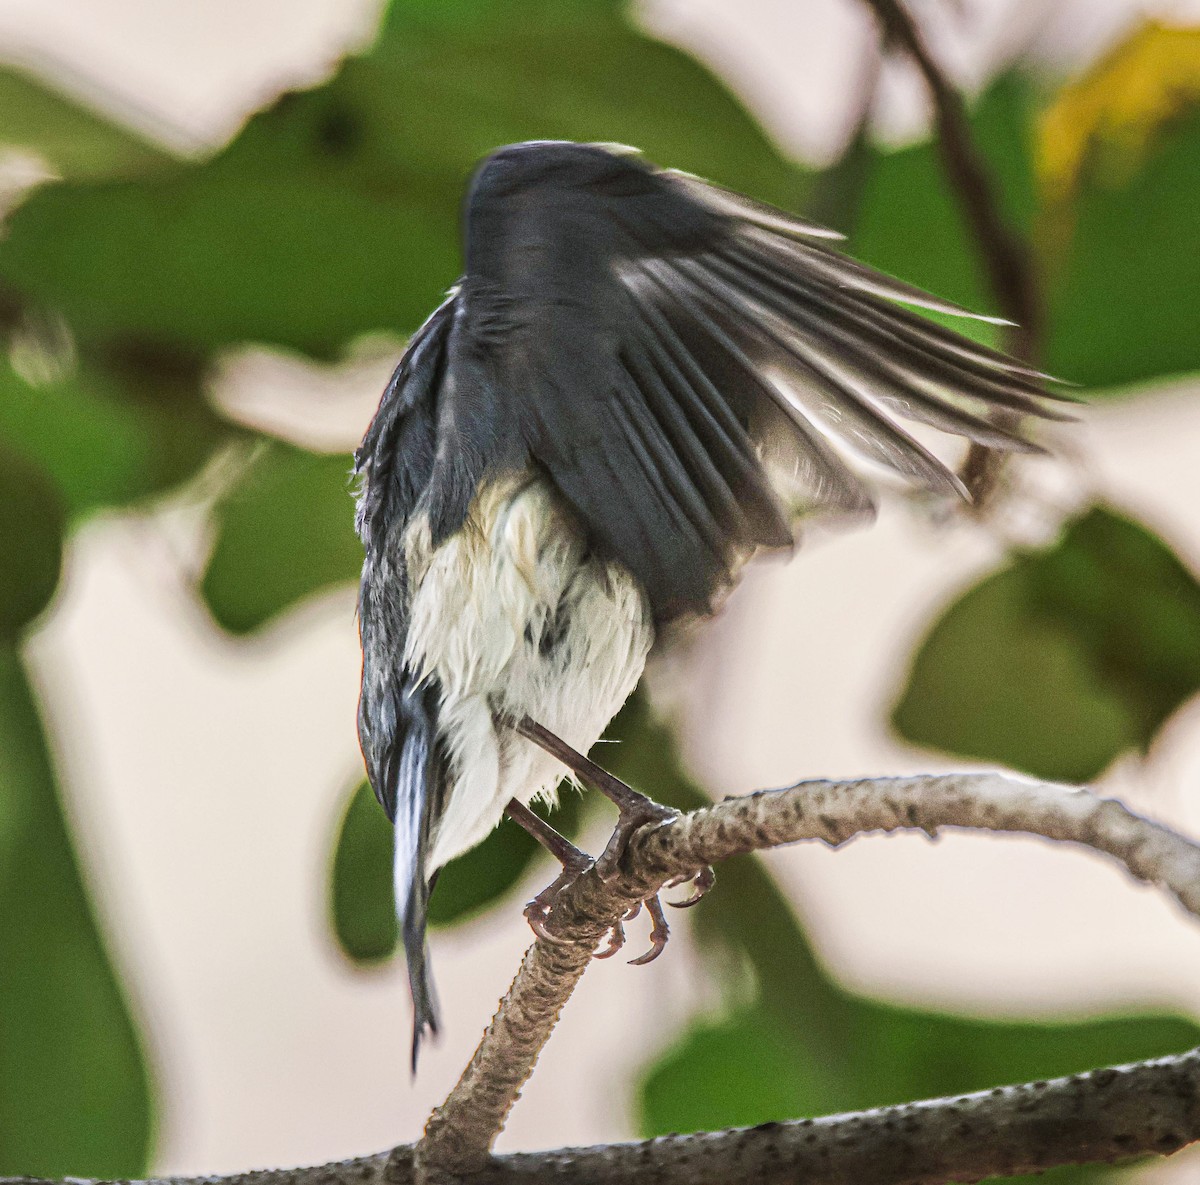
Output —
(220, 223)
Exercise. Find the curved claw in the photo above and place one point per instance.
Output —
(655, 950)
(537, 913)
(701, 883)
(659, 933)
(616, 940)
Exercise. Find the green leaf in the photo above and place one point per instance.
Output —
(362, 899)
(1065, 659)
(72, 138)
(362, 902)
(1124, 306)
(895, 1055)
(164, 386)
(74, 1089)
(993, 681)
(32, 522)
(336, 212)
(116, 430)
(910, 222)
(284, 532)
(98, 449)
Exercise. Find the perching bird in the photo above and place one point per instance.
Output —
(640, 380)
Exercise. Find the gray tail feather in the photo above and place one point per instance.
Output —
(413, 917)
(418, 786)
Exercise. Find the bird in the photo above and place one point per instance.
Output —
(640, 381)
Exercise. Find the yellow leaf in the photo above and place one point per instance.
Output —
(1113, 111)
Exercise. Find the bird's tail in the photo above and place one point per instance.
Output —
(416, 779)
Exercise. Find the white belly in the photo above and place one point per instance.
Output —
(515, 618)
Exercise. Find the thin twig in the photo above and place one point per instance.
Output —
(1004, 252)
(461, 1132)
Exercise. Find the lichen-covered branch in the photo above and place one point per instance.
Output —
(1099, 1117)
(462, 1130)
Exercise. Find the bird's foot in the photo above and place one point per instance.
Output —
(575, 863)
(700, 881)
(634, 810)
(634, 813)
(538, 911)
(659, 932)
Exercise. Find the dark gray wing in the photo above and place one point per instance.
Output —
(675, 354)
(398, 709)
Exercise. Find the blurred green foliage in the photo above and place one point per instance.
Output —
(1119, 147)
(1099, 631)
(910, 222)
(74, 1093)
(361, 898)
(281, 237)
(283, 532)
(94, 449)
(67, 136)
(1124, 305)
(334, 213)
(32, 520)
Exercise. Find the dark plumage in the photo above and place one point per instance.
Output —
(636, 384)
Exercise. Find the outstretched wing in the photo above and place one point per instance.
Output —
(689, 364)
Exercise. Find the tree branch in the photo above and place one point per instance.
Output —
(461, 1131)
(1099, 1117)
(1103, 1116)
(1005, 254)
(1151, 1107)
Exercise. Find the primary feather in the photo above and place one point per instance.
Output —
(635, 381)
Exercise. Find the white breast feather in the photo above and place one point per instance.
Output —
(482, 602)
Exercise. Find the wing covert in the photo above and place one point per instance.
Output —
(679, 357)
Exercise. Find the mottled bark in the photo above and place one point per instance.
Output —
(1100, 1117)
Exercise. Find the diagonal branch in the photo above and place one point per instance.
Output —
(1005, 254)
(461, 1132)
